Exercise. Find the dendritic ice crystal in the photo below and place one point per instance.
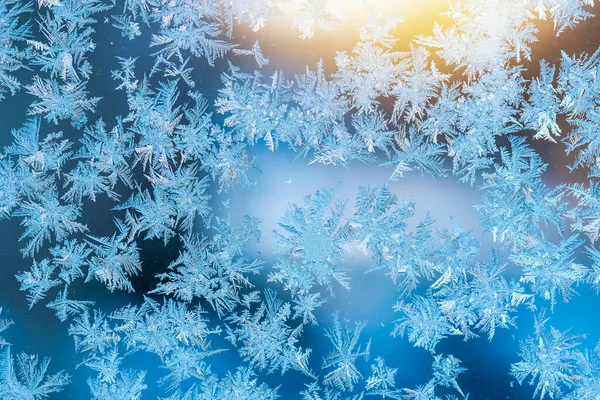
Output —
(299, 199)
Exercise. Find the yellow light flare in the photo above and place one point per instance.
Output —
(414, 14)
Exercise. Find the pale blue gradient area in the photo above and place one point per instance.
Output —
(285, 180)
